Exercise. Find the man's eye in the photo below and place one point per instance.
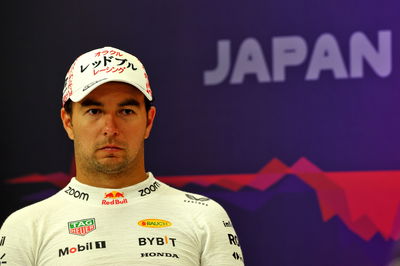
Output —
(93, 111)
(127, 111)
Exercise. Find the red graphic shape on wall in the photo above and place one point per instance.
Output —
(368, 202)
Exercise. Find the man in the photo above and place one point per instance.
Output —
(114, 212)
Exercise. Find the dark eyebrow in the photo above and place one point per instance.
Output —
(129, 102)
(89, 102)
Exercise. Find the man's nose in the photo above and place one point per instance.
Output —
(110, 126)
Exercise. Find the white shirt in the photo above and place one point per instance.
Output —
(149, 223)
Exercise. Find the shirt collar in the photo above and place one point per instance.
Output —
(110, 198)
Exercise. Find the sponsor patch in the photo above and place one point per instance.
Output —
(82, 227)
(77, 194)
(195, 200)
(233, 240)
(154, 223)
(148, 190)
(237, 256)
(80, 248)
(227, 223)
(159, 254)
(114, 198)
(157, 241)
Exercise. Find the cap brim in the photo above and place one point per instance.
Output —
(85, 91)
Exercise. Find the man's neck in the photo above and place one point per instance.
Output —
(111, 180)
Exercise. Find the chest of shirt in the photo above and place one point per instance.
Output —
(118, 237)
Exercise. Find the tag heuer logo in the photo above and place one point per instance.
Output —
(82, 227)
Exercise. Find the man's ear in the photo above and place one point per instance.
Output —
(67, 123)
(150, 119)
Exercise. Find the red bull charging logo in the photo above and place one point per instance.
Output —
(114, 198)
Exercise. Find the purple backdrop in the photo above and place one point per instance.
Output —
(236, 85)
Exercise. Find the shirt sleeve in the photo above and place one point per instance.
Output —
(16, 242)
(221, 245)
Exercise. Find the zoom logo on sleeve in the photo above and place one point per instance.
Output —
(152, 188)
(77, 194)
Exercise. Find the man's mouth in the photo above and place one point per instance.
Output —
(110, 148)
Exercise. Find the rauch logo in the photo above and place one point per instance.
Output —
(114, 198)
(154, 223)
(82, 227)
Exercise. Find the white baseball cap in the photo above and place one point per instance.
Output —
(99, 66)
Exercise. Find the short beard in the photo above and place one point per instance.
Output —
(90, 164)
(113, 169)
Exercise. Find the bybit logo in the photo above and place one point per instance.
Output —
(156, 241)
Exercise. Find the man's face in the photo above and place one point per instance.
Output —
(108, 128)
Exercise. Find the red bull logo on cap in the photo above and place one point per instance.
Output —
(114, 198)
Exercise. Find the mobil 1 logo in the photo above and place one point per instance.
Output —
(81, 248)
